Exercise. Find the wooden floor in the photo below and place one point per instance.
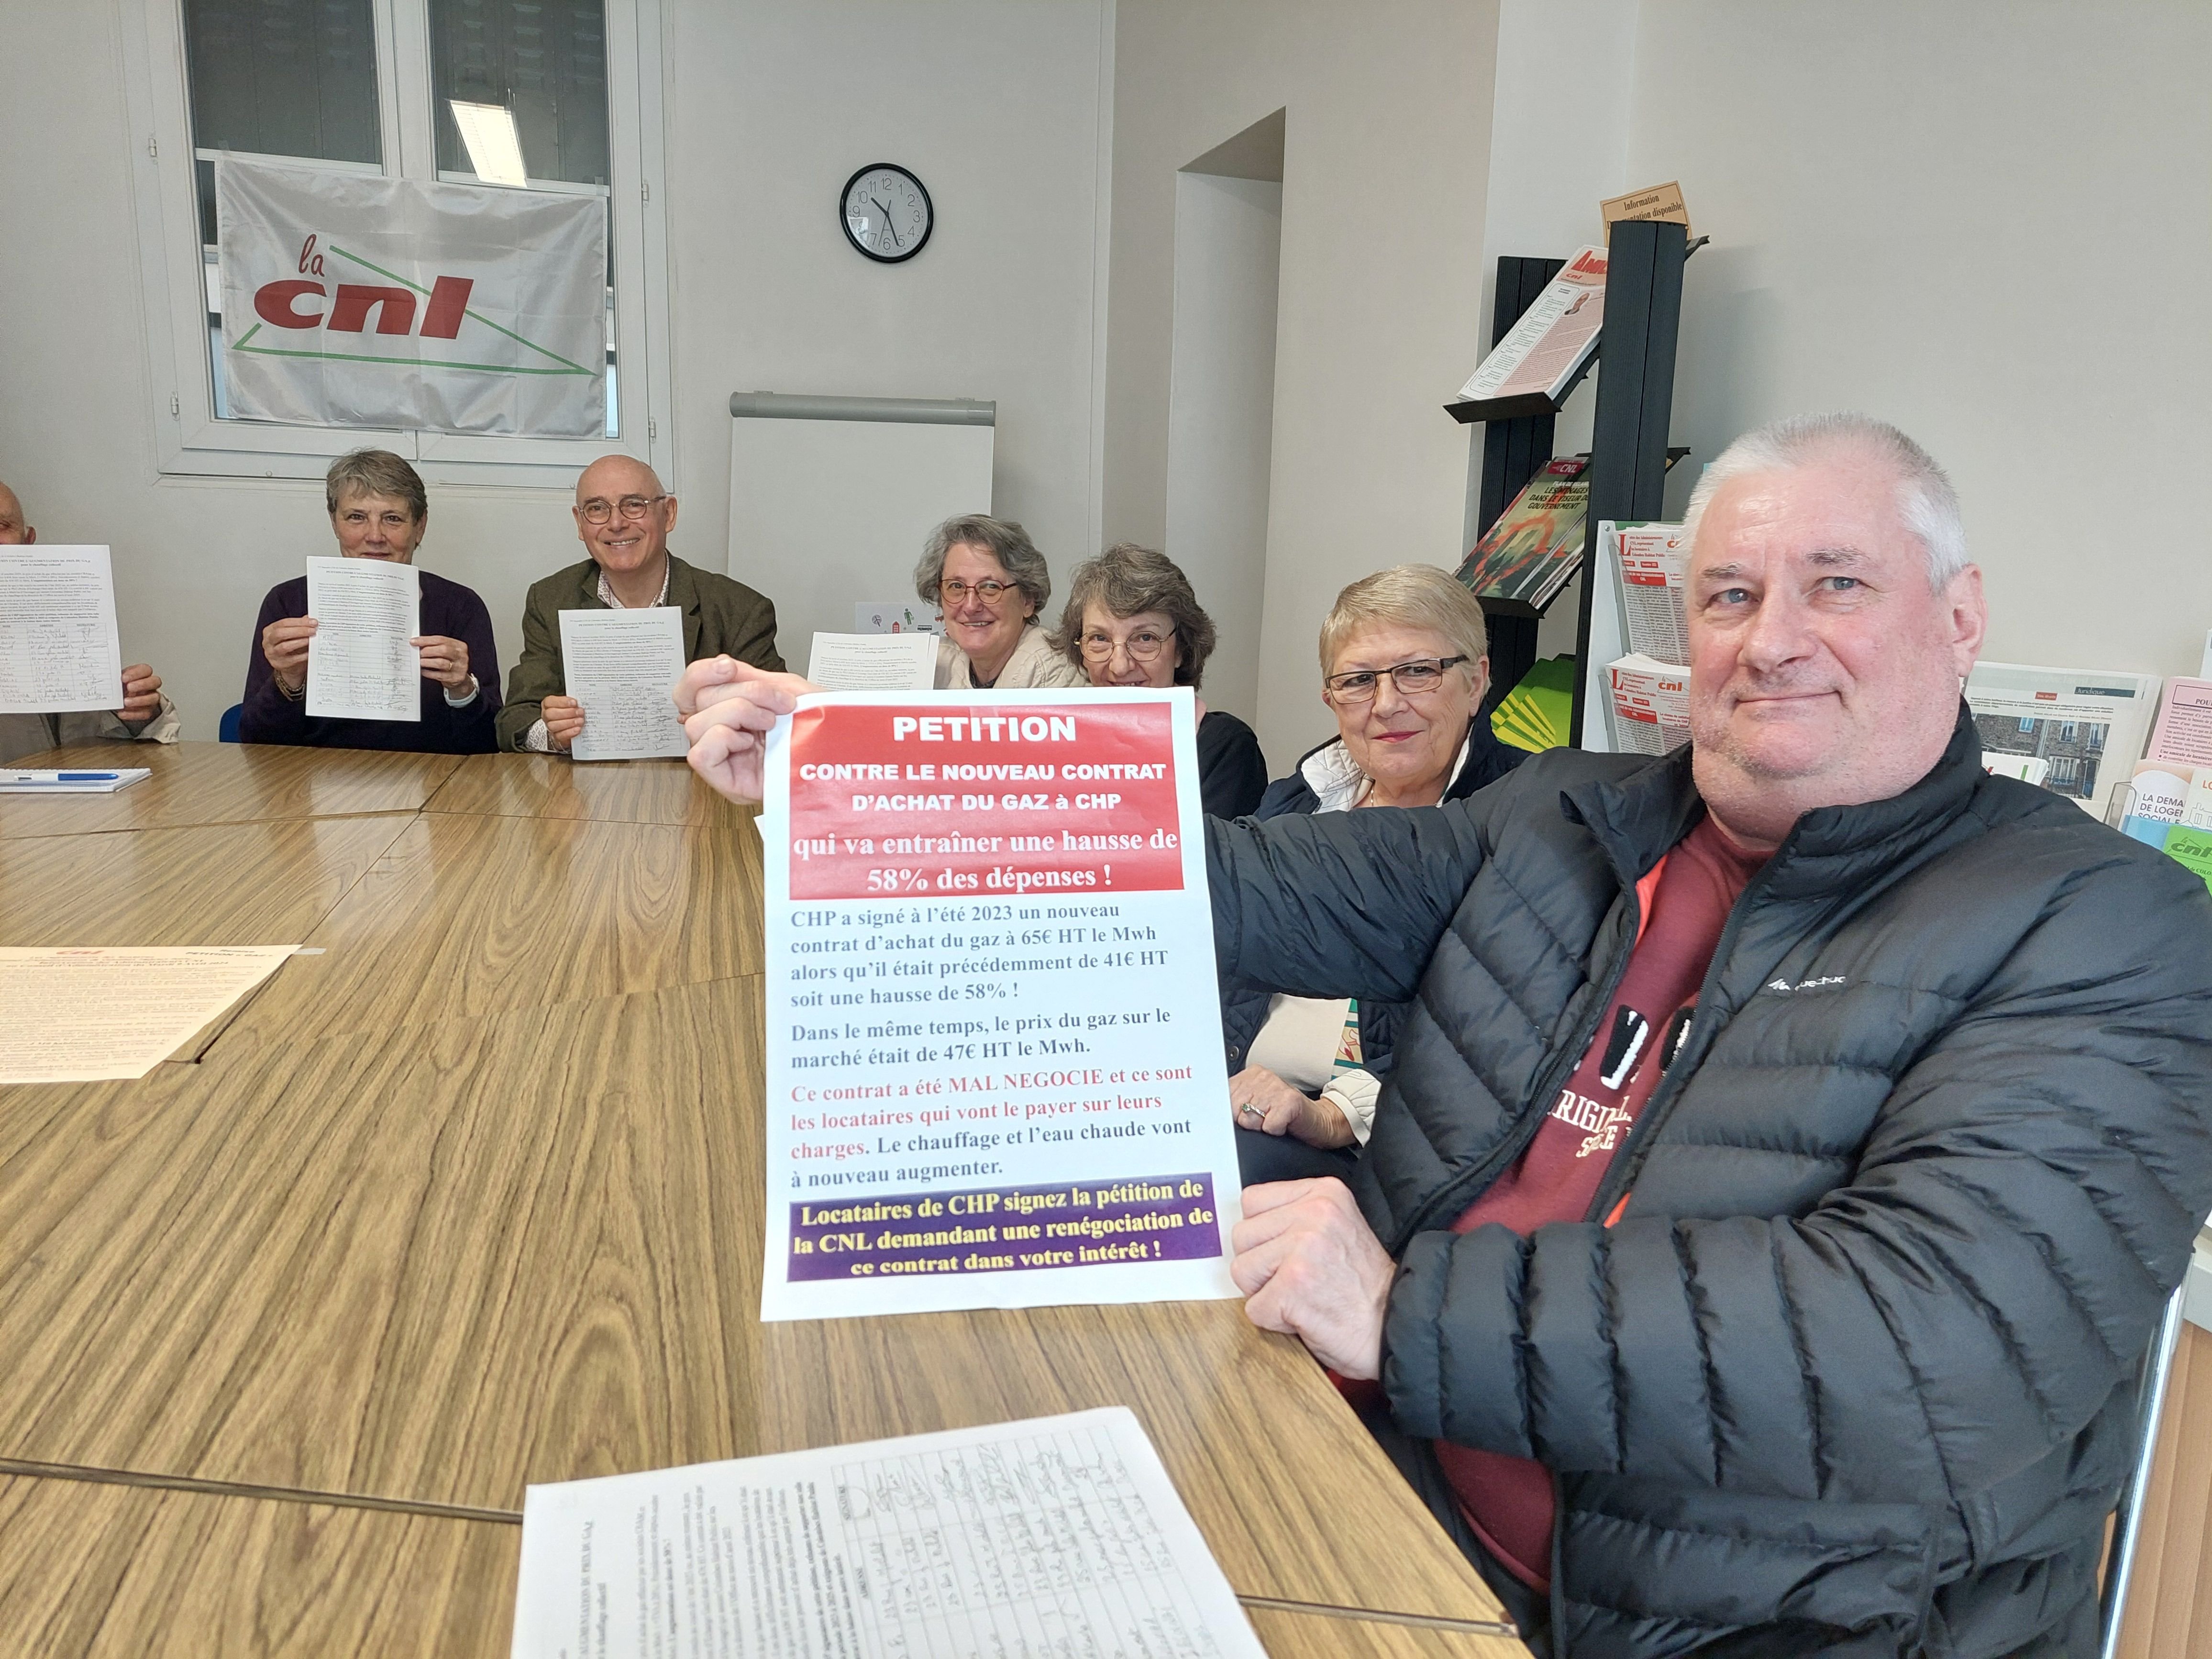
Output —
(473, 1198)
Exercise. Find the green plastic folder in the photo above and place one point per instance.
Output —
(1536, 713)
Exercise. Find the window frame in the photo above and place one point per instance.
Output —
(189, 441)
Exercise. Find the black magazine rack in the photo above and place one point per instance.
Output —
(1628, 439)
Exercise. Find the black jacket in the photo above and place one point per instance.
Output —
(1851, 1374)
(1243, 1005)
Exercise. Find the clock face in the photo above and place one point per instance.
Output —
(887, 213)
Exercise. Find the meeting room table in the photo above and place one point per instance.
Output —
(468, 1196)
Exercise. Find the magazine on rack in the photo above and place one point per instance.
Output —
(1524, 559)
(1654, 561)
(1541, 357)
(1651, 705)
(2086, 726)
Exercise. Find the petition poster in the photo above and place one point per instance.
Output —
(994, 1066)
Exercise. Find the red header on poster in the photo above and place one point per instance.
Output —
(993, 801)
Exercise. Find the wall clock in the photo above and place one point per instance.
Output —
(886, 213)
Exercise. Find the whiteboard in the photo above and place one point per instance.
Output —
(827, 514)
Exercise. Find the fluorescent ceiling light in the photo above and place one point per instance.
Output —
(494, 150)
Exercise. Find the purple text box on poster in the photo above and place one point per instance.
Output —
(1079, 1223)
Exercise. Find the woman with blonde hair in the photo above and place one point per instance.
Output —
(1405, 659)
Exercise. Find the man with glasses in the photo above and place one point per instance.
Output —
(623, 517)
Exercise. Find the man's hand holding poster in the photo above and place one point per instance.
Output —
(994, 1065)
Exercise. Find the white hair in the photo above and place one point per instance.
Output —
(1925, 500)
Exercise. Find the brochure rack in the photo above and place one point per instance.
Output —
(1629, 455)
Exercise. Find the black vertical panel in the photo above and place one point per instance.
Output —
(1635, 393)
(1512, 452)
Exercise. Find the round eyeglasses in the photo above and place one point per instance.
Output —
(1143, 646)
(992, 593)
(599, 511)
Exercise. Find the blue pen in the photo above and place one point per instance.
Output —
(86, 777)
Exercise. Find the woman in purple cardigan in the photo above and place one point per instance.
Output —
(379, 510)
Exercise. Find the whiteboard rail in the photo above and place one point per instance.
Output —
(912, 411)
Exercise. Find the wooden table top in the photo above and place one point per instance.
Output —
(551, 786)
(108, 1571)
(469, 916)
(198, 783)
(473, 1200)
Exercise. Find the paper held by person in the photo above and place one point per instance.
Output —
(1054, 1536)
(58, 652)
(78, 1014)
(623, 666)
(361, 665)
(994, 1066)
(873, 662)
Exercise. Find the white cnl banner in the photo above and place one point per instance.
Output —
(352, 300)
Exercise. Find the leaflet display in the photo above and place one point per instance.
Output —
(1542, 354)
(1653, 564)
(994, 1065)
(1651, 705)
(2086, 726)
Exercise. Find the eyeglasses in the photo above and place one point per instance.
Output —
(991, 593)
(1413, 679)
(1143, 646)
(597, 511)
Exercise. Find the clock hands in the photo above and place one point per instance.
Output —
(889, 229)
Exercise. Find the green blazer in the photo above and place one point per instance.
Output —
(720, 616)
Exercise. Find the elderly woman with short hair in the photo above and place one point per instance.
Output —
(379, 510)
(1133, 619)
(989, 579)
(1405, 659)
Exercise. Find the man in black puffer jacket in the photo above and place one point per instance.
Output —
(1792, 1140)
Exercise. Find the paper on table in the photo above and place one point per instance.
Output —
(873, 662)
(58, 653)
(360, 664)
(1030, 1540)
(79, 1014)
(994, 1029)
(71, 783)
(623, 666)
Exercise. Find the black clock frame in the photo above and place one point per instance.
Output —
(846, 224)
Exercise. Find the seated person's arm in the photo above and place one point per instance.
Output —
(536, 679)
(275, 706)
(1967, 1300)
(756, 641)
(1340, 904)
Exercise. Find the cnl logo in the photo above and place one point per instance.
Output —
(283, 304)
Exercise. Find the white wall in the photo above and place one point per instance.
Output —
(999, 104)
(1221, 405)
(1985, 220)
(1385, 171)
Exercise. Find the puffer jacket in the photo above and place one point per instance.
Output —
(1851, 1373)
(1244, 1007)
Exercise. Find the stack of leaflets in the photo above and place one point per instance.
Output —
(1524, 559)
(1542, 355)
(1655, 561)
(1651, 705)
(2171, 803)
(2075, 732)
(1535, 714)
